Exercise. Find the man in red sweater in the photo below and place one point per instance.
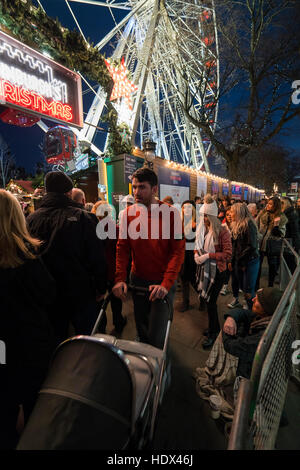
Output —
(151, 232)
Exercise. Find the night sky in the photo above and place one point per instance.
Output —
(95, 22)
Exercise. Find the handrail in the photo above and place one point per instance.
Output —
(289, 246)
(249, 389)
(240, 423)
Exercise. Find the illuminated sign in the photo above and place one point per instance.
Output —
(225, 189)
(294, 187)
(33, 82)
(122, 85)
(82, 163)
(174, 183)
(236, 191)
(214, 187)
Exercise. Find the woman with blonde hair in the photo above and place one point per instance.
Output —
(245, 254)
(27, 290)
(14, 237)
(212, 253)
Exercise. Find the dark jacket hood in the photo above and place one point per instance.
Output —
(57, 200)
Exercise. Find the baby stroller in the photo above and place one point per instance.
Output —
(100, 393)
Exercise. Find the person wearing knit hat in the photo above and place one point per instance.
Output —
(212, 252)
(58, 182)
(269, 298)
(209, 207)
(252, 324)
(73, 254)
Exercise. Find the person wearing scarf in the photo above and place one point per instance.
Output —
(213, 250)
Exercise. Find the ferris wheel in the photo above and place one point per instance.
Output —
(169, 49)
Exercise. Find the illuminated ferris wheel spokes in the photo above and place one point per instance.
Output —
(170, 50)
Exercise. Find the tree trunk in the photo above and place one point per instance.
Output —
(233, 165)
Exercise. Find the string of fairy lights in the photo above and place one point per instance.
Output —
(182, 167)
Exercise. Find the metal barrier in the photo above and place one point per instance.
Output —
(261, 399)
(288, 256)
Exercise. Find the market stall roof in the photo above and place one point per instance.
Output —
(25, 186)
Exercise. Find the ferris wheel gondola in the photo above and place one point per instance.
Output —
(59, 146)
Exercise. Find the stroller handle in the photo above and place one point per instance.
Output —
(145, 290)
(132, 288)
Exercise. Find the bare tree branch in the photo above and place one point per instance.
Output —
(259, 58)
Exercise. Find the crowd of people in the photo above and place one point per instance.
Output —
(256, 232)
(55, 271)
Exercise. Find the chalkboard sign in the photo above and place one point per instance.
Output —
(130, 165)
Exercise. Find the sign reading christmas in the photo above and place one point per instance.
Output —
(123, 87)
(36, 85)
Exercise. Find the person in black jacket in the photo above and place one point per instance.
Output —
(271, 224)
(245, 254)
(73, 254)
(27, 292)
(243, 329)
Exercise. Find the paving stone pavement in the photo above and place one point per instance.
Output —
(184, 421)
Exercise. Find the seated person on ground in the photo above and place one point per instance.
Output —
(243, 329)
